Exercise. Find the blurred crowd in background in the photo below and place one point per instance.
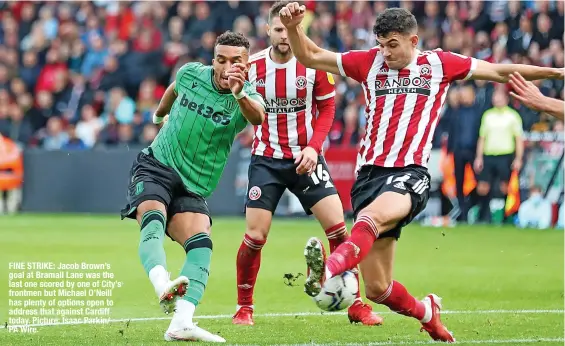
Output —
(77, 75)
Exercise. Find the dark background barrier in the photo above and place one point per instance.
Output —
(96, 181)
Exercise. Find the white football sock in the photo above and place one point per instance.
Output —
(185, 310)
(428, 315)
(159, 278)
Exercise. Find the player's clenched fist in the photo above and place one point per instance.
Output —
(307, 161)
(236, 77)
(292, 14)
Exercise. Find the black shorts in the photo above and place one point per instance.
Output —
(269, 178)
(499, 166)
(373, 181)
(150, 180)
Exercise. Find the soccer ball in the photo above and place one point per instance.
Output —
(338, 292)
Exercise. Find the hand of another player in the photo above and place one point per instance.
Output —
(517, 164)
(236, 77)
(526, 92)
(478, 165)
(292, 14)
(307, 161)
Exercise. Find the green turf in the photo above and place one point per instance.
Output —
(472, 268)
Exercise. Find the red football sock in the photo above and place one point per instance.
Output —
(336, 235)
(397, 298)
(350, 253)
(248, 263)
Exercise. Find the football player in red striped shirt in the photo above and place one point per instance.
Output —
(287, 154)
(404, 91)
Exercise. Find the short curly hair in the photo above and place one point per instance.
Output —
(395, 19)
(234, 39)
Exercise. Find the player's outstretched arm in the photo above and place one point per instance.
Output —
(501, 72)
(165, 104)
(304, 49)
(252, 110)
(527, 93)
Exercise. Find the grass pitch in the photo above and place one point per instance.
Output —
(500, 285)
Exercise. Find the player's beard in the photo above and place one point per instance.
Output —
(282, 53)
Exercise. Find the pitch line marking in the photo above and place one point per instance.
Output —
(289, 314)
(431, 342)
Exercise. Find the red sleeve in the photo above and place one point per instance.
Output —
(324, 85)
(356, 63)
(324, 121)
(456, 66)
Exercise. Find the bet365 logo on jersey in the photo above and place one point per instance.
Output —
(205, 111)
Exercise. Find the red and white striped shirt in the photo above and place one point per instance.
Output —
(289, 91)
(402, 106)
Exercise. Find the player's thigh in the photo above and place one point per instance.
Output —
(377, 267)
(316, 192)
(266, 186)
(189, 215)
(150, 187)
(328, 211)
(258, 223)
(390, 197)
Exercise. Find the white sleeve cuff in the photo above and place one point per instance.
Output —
(340, 65)
(472, 69)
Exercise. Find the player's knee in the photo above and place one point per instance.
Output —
(483, 188)
(504, 188)
(375, 288)
(148, 206)
(258, 233)
(381, 218)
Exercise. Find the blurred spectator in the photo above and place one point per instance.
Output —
(111, 75)
(54, 65)
(21, 129)
(120, 105)
(4, 77)
(95, 57)
(535, 212)
(30, 70)
(125, 135)
(49, 23)
(203, 22)
(74, 142)
(148, 135)
(88, 127)
(109, 134)
(54, 137)
(464, 120)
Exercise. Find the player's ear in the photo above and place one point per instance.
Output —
(268, 29)
(414, 39)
